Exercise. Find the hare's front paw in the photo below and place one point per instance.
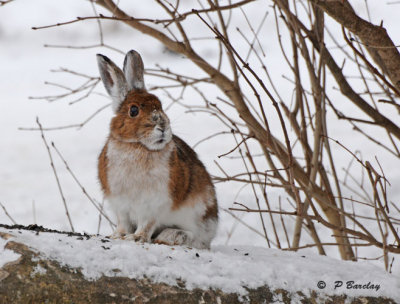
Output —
(117, 235)
(143, 232)
(137, 237)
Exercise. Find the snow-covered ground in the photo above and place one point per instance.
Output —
(27, 186)
(228, 268)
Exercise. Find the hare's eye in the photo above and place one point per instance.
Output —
(134, 111)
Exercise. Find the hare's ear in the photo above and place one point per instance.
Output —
(133, 70)
(113, 80)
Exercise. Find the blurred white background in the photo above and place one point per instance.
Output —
(27, 185)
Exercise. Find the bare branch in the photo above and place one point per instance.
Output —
(55, 174)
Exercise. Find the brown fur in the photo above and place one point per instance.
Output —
(188, 177)
(102, 170)
(211, 211)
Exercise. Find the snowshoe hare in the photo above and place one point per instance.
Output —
(157, 187)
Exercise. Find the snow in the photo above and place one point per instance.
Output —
(228, 268)
(38, 270)
(6, 255)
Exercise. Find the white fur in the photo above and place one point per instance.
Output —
(152, 140)
(140, 195)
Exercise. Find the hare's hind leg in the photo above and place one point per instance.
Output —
(172, 236)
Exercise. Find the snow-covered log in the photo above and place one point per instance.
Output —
(39, 265)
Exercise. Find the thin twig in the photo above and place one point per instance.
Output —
(7, 214)
(55, 174)
(80, 185)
